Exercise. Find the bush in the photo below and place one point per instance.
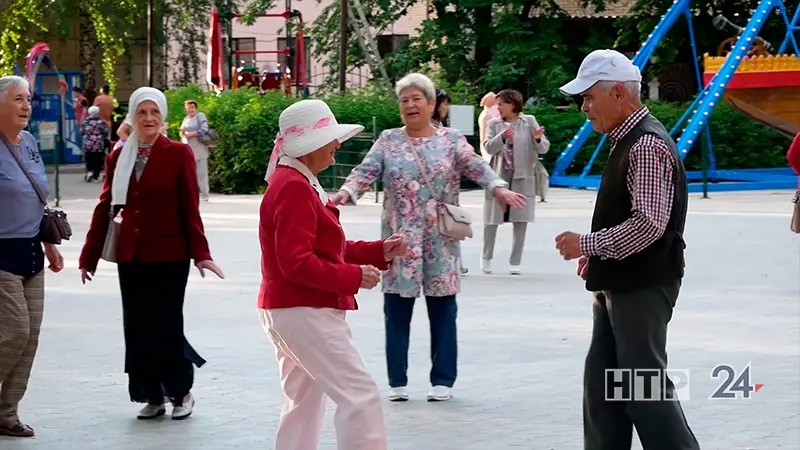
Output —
(247, 123)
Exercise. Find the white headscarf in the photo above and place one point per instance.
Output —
(127, 156)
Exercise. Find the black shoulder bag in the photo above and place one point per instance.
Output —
(54, 227)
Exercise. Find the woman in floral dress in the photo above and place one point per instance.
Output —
(431, 265)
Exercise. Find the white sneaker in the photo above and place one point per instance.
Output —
(514, 270)
(486, 266)
(185, 410)
(398, 394)
(151, 412)
(440, 394)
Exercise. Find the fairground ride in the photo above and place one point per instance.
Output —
(238, 75)
(763, 86)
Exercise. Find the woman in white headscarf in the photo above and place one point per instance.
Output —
(150, 183)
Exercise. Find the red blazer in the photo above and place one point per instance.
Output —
(793, 155)
(161, 219)
(305, 259)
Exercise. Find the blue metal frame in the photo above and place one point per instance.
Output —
(734, 180)
(700, 108)
(640, 60)
(47, 108)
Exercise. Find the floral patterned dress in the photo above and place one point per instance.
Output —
(431, 265)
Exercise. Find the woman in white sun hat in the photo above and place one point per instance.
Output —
(310, 275)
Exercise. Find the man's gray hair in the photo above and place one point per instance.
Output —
(633, 88)
(11, 81)
(418, 81)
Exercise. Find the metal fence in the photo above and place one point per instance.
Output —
(349, 156)
(352, 153)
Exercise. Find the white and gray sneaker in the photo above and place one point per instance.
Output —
(184, 410)
(151, 412)
(440, 394)
(398, 394)
(486, 266)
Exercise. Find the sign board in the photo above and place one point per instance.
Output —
(462, 118)
(47, 143)
(48, 128)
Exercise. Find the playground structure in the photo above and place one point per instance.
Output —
(293, 73)
(762, 86)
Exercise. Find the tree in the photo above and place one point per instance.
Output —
(108, 24)
(111, 26)
(324, 33)
(521, 44)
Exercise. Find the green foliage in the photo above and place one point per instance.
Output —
(15, 24)
(248, 122)
(325, 35)
(117, 24)
(634, 29)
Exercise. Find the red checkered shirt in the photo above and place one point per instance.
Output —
(651, 182)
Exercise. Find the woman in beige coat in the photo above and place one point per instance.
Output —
(514, 142)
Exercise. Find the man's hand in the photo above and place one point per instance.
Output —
(54, 258)
(394, 246)
(583, 267)
(370, 276)
(340, 198)
(568, 244)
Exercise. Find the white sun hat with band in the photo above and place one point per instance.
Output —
(602, 65)
(305, 127)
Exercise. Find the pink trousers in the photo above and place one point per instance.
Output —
(317, 360)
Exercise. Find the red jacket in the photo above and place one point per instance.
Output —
(161, 219)
(305, 259)
(793, 155)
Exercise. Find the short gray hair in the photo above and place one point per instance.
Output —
(418, 81)
(633, 88)
(11, 81)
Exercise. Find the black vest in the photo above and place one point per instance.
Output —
(660, 263)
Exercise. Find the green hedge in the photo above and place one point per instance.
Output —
(247, 123)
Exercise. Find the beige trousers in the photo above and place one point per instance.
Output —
(317, 360)
(518, 243)
(21, 309)
(202, 177)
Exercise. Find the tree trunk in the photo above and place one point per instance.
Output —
(88, 52)
(484, 38)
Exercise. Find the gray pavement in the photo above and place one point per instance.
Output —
(522, 339)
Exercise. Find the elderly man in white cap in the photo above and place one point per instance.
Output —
(632, 261)
(310, 275)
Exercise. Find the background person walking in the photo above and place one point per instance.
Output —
(195, 125)
(514, 142)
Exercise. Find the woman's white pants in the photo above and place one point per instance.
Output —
(317, 360)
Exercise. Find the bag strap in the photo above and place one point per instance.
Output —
(422, 170)
(7, 143)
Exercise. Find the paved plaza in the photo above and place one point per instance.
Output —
(522, 339)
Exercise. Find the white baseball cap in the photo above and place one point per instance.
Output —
(602, 65)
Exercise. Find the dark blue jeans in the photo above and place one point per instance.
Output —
(442, 312)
